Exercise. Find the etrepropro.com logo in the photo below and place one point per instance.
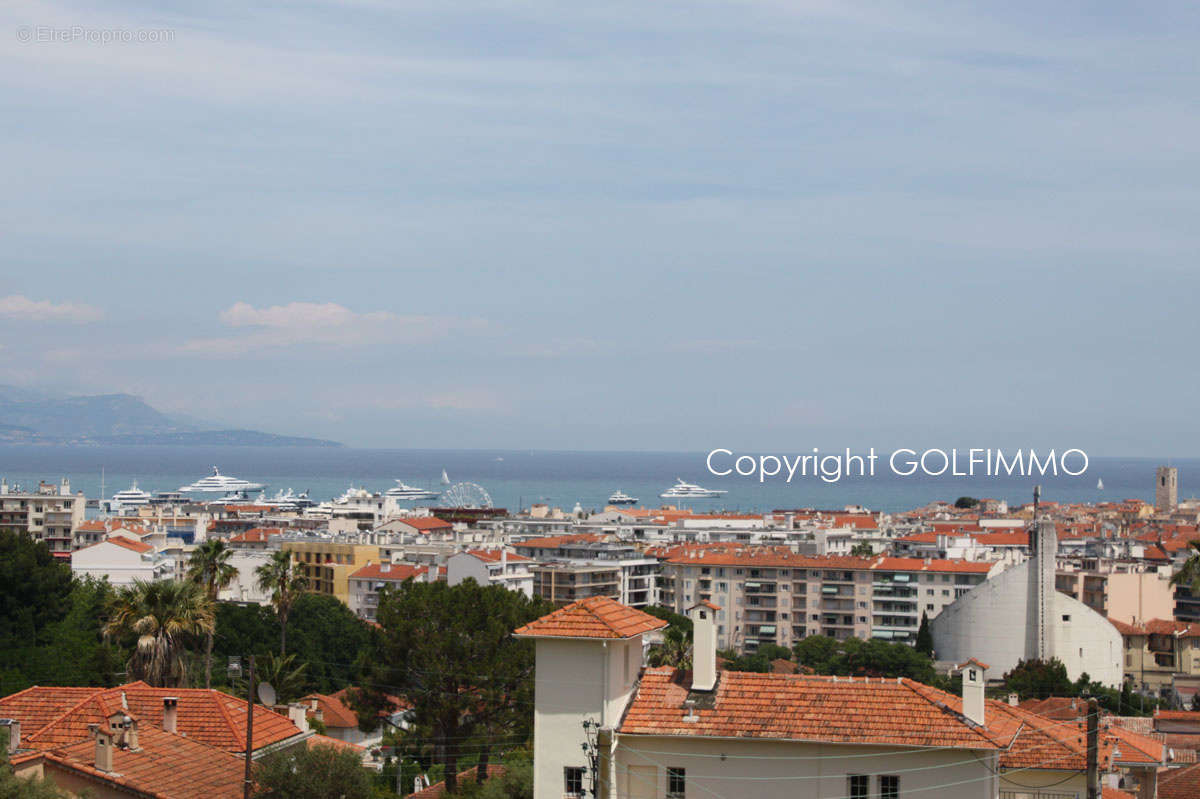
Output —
(51, 34)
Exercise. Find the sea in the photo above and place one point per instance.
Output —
(516, 479)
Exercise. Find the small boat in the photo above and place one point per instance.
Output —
(682, 490)
(445, 478)
(1100, 484)
(619, 497)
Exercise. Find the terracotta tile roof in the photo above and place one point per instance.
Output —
(426, 523)
(1060, 708)
(1114, 793)
(493, 555)
(470, 775)
(594, 617)
(803, 708)
(336, 743)
(554, 541)
(1178, 629)
(727, 554)
(1178, 715)
(1181, 783)
(255, 535)
(398, 572)
(52, 716)
(165, 766)
(334, 712)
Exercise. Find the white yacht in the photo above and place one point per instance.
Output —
(403, 491)
(217, 483)
(132, 497)
(619, 497)
(682, 490)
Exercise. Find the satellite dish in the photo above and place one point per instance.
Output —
(266, 694)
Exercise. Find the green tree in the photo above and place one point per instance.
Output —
(862, 550)
(816, 652)
(924, 643)
(284, 673)
(515, 783)
(965, 502)
(163, 615)
(676, 647)
(1188, 574)
(34, 590)
(450, 651)
(280, 577)
(317, 772)
(210, 568)
(1038, 679)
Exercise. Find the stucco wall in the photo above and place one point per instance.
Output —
(733, 769)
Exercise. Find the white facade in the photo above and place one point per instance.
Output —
(498, 568)
(244, 587)
(120, 564)
(1018, 615)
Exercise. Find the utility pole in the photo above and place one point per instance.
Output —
(248, 783)
(1093, 750)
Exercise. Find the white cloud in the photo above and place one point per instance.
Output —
(20, 307)
(321, 324)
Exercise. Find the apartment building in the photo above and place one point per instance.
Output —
(48, 514)
(773, 595)
(1162, 656)
(328, 564)
(1131, 593)
(491, 567)
(636, 573)
(366, 582)
(121, 560)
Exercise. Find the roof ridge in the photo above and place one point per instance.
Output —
(78, 705)
(919, 688)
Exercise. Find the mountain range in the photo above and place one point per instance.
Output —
(35, 417)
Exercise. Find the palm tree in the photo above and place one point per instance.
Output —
(279, 576)
(1189, 573)
(675, 650)
(209, 567)
(288, 679)
(162, 614)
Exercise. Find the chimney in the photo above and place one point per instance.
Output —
(704, 646)
(384, 568)
(104, 747)
(1014, 700)
(14, 734)
(170, 713)
(298, 715)
(974, 681)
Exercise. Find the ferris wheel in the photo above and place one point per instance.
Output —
(466, 495)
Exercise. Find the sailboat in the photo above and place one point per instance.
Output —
(1100, 484)
(445, 478)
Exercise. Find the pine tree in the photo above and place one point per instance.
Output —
(924, 643)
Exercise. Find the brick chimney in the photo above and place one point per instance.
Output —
(14, 734)
(170, 714)
(104, 747)
(704, 646)
(974, 681)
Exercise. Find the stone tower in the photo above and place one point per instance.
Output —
(1166, 489)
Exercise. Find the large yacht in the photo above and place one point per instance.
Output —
(132, 497)
(682, 490)
(403, 491)
(619, 497)
(217, 483)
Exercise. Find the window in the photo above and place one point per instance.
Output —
(858, 786)
(889, 787)
(676, 782)
(1066, 617)
(573, 781)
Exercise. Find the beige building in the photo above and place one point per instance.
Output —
(1160, 654)
(563, 582)
(329, 564)
(1128, 596)
(48, 514)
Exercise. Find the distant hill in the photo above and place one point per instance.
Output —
(39, 418)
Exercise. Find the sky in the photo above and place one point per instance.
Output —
(753, 224)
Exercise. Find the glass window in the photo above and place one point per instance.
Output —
(889, 787)
(858, 786)
(573, 781)
(676, 782)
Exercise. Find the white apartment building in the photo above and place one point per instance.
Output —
(121, 560)
(494, 566)
(366, 583)
(774, 595)
(48, 514)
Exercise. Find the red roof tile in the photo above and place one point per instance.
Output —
(395, 571)
(470, 775)
(594, 617)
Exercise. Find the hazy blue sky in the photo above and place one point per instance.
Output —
(765, 224)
